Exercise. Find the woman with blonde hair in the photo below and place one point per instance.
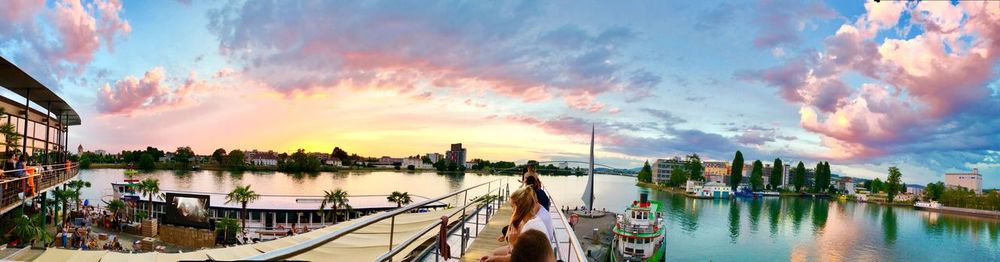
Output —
(523, 203)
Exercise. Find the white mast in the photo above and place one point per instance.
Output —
(588, 193)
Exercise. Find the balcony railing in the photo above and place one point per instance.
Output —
(17, 184)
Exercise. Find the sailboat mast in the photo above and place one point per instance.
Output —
(590, 179)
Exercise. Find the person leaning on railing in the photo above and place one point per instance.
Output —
(524, 204)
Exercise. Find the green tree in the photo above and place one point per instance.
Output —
(146, 162)
(933, 191)
(441, 165)
(337, 198)
(799, 176)
(235, 160)
(736, 174)
(150, 187)
(646, 174)
(757, 176)
(228, 228)
(893, 182)
(77, 185)
(678, 176)
(64, 195)
(818, 178)
(219, 156)
(777, 172)
(28, 229)
(116, 206)
(399, 198)
(696, 171)
(183, 156)
(243, 195)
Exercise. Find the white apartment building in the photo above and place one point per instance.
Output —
(973, 181)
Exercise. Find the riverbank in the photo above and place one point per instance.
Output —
(215, 167)
(964, 211)
(673, 190)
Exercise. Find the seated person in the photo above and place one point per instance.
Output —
(523, 219)
(532, 246)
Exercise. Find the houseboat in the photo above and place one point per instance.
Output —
(927, 205)
(639, 232)
(266, 213)
(709, 190)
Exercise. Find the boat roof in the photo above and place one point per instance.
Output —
(297, 202)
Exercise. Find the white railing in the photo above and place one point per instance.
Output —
(305, 246)
(575, 252)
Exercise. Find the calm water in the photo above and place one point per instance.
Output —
(697, 230)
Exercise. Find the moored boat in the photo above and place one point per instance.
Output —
(639, 232)
(927, 205)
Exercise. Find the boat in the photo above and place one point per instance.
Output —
(745, 192)
(927, 205)
(767, 194)
(639, 232)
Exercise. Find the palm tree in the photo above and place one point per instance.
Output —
(63, 195)
(76, 185)
(150, 187)
(244, 195)
(116, 207)
(337, 198)
(29, 229)
(400, 198)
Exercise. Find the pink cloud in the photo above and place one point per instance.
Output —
(402, 48)
(923, 83)
(149, 93)
(16, 11)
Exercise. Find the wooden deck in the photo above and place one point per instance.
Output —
(486, 242)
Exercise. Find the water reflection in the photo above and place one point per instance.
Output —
(799, 207)
(734, 221)
(755, 206)
(820, 211)
(685, 211)
(889, 226)
(773, 214)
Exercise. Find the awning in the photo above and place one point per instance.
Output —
(16, 80)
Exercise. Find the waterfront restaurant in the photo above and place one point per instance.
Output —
(40, 121)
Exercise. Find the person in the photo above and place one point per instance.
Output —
(532, 246)
(64, 235)
(542, 208)
(524, 218)
(536, 185)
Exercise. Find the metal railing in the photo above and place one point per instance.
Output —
(575, 252)
(15, 184)
(302, 247)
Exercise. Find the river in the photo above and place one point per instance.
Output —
(697, 230)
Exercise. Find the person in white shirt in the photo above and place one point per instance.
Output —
(525, 218)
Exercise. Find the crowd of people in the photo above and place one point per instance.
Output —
(530, 233)
(83, 238)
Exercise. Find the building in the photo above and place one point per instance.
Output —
(259, 158)
(456, 154)
(663, 167)
(434, 157)
(417, 163)
(972, 181)
(386, 161)
(915, 190)
(846, 185)
(717, 171)
(708, 190)
(100, 152)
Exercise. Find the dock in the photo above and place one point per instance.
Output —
(486, 242)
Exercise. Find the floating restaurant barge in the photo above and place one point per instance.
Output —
(269, 211)
(639, 232)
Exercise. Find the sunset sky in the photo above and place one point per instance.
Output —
(863, 85)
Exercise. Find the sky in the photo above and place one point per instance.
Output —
(860, 84)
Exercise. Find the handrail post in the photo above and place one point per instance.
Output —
(392, 232)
